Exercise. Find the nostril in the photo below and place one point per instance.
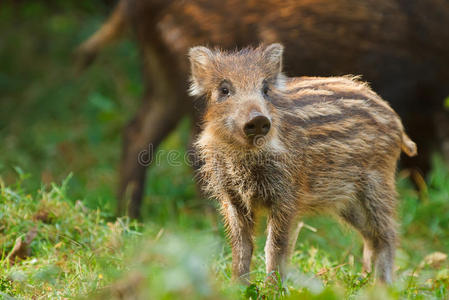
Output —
(250, 129)
(265, 128)
(250, 126)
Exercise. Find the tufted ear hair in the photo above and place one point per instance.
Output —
(273, 58)
(200, 63)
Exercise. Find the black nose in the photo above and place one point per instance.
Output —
(258, 125)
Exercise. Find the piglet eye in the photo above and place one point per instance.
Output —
(224, 91)
(266, 89)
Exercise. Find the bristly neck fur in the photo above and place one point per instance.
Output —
(257, 176)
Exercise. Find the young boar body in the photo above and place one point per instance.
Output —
(296, 146)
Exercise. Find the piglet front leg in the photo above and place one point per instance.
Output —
(239, 227)
(277, 244)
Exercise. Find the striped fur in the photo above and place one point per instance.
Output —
(332, 148)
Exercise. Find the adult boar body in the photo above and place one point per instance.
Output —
(400, 47)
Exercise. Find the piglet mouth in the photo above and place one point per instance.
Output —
(257, 140)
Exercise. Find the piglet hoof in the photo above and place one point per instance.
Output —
(273, 279)
(365, 274)
(243, 280)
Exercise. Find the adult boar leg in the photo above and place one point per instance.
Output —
(154, 121)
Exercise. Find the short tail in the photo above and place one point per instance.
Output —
(408, 146)
(110, 31)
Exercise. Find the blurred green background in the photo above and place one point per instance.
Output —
(55, 121)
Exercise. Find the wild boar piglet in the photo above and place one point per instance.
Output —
(295, 146)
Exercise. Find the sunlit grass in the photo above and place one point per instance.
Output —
(77, 252)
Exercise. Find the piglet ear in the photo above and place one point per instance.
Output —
(200, 65)
(273, 58)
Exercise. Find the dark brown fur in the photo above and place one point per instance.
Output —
(332, 148)
(400, 47)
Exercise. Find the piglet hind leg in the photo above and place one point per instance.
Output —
(380, 201)
(373, 216)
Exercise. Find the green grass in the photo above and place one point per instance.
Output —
(76, 252)
(70, 249)
(54, 122)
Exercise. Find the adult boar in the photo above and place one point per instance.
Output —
(399, 47)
